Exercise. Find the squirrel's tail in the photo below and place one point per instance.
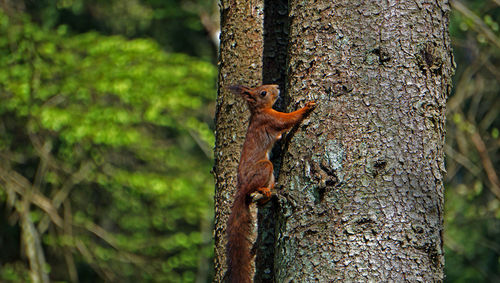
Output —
(238, 243)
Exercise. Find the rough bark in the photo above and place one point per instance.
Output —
(363, 178)
(240, 63)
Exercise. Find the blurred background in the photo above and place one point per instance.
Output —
(106, 138)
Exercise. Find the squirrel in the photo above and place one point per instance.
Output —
(255, 171)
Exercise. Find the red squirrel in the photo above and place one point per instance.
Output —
(255, 171)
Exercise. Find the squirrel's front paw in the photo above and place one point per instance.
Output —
(310, 105)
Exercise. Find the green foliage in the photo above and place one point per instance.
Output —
(123, 130)
(472, 209)
(175, 24)
(16, 272)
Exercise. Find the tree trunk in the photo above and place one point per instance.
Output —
(363, 179)
(240, 63)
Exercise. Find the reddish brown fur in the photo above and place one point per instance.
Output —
(255, 171)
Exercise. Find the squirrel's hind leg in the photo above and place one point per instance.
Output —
(263, 182)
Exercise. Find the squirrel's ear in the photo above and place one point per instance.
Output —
(243, 91)
(247, 95)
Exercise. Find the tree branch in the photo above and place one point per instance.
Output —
(487, 164)
(22, 186)
(33, 247)
(479, 25)
(68, 256)
(63, 193)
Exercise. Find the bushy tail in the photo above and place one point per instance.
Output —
(238, 243)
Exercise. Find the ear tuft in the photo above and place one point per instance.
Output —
(236, 89)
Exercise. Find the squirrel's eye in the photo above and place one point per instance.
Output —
(263, 93)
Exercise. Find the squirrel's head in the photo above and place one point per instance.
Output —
(258, 98)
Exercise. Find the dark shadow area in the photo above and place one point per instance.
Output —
(273, 72)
